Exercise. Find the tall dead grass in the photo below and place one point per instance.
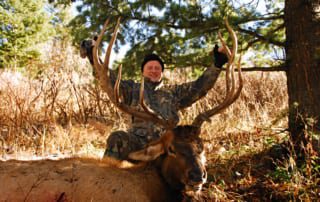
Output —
(60, 110)
(259, 114)
(49, 108)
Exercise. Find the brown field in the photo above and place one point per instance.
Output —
(61, 113)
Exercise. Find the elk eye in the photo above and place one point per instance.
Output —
(171, 151)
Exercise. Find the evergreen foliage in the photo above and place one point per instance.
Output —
(24, 24)
(182, 32)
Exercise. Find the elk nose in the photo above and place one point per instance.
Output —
(197, 176)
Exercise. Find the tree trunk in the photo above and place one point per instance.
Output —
(302, 21)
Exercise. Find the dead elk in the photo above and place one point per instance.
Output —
(178, 163)
(80, 179)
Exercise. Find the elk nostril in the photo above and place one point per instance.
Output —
(204, 175)
(195, 176)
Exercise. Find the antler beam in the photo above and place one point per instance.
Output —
(232, 93)
(148, 114)
(103, 72)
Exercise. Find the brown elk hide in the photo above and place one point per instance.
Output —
(78, 179)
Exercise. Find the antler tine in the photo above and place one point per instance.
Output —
(231, 56)
(232, 93)
(234, 41)
(116, 85)
(226, 48)
(96, 62)
(157, 118)
(147, 114)
(230, 69)
(114, 36)
(240, 79)
(236, 94)
(224, 45)
(113, 94)
(103, 69)
(102, 73)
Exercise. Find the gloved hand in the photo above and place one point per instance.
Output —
(219, 58)
(86, 47)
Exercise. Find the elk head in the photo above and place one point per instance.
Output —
(179, 153)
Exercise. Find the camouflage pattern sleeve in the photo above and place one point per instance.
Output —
(188, 93)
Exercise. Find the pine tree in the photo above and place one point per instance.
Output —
(24, 23)
(182, 32)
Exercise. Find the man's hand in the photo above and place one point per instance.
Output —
(220, 58)
(86, 47)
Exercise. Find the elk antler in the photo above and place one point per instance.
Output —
(148, 114)
(113, 93)
(231, 92)
(103, 69)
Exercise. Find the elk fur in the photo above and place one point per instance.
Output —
(81, 179)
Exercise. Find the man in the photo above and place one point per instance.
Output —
(164, 100)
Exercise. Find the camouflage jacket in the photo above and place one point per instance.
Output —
(166, 100)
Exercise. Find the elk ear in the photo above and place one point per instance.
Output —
(154, 149)
(151, 152)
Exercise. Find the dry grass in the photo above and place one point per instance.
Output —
(61, 112)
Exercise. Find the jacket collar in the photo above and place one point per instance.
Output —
(148, 84)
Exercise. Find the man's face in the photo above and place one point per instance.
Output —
(153, 71)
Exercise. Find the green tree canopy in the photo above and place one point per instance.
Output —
(181, 32)
(24, 23)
